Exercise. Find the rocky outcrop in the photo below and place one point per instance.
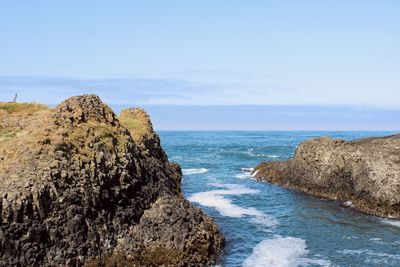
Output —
(139, 124)
(364, 173)
(80, 186)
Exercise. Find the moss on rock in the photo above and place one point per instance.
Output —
(75, 183)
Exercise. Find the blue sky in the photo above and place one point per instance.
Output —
(341, 55)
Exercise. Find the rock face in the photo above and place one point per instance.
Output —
(80, 186)
(365, 172)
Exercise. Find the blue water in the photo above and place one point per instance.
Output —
(266, 225)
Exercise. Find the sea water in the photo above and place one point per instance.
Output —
(267, 225)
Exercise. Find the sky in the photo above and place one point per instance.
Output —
(289, 59)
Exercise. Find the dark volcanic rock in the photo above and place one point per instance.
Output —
(79, 186)
(365, 172)
(165, 226)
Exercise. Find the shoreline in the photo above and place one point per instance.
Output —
(344, 171)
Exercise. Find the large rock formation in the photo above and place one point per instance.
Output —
(363, 173)
(80, 186)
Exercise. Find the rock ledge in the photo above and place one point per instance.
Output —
(365, 172)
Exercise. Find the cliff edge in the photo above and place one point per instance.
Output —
(81, 186)
(364, 173)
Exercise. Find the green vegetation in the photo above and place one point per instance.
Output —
(7, 133)
(132, 123)
(136, 126)
(137, 122)
(90, 134)
(14, 116)
(22, 108)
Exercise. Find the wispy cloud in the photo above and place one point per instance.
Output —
(180, 103)
(186, 89)
(139, 91)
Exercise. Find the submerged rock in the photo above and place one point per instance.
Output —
(78, 185)
(364, 173)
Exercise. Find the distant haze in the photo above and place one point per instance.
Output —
(175, 109)
(273, 118)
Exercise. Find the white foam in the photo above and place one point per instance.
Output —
(281, 252)
(247, 169)
(378, 241)
(348, 203)
(391, 222)
(215, 199)
(246, 173)
(243, 175)
(194, 171)
(250, 152)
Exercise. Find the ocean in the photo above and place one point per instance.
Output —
(264, 224)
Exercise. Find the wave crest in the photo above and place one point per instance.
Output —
(215, 199)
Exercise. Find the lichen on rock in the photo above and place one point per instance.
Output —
(77, 183)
